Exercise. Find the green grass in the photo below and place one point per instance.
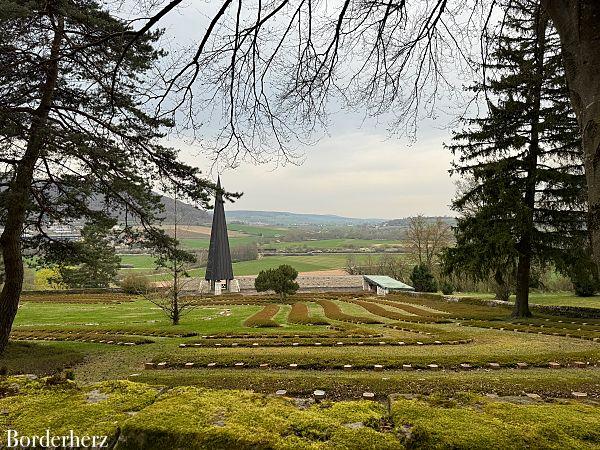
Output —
(300, 263)
(194, 244)
(139, 261)
(550, 298)
(144, 417)
(183, 410)
(323, 244)
(267, 232)
(344, 384)
(476, 422)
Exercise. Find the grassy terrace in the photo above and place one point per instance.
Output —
(445, 406)
(551, 298)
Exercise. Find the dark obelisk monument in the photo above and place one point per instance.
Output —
(219, 272)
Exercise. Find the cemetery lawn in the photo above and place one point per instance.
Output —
(114, 348)
(548, 298)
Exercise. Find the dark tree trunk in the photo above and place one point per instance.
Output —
(502, 289)
(578, 24)
(524, 246)
(17, 195)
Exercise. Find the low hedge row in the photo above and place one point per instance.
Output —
(390, 357)
(333, 311)
(33, 335)
(299, 314)
(329, 341)
(107, 330)
(263, 318)
(547, 329)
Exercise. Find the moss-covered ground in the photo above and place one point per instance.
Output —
(209, 404)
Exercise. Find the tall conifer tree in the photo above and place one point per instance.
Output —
(526, 197)
(76, 124)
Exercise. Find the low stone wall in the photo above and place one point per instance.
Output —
(311, 283)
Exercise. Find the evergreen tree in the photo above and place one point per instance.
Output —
(90, 262)
(526, 199)
(75, 125)
(422, 279)
(281, 280)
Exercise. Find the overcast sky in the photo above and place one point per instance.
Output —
(355, 170)
(356, 173)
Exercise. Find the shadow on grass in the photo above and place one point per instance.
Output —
(39, 359)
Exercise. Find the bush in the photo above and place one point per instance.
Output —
(422, 279)
(299, 314)
(333, 311)
(280, 280)
(584, 288)
(263, 318)
(447, 288)
(135, 284)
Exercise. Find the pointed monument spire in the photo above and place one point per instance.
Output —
(218, 266)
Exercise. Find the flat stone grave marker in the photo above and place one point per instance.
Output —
(149, 365)
(433, 366)
(255, 344)
(161, 365)
(319, 394)
(211, 364)
(579, 364)
(406, 367)
(466, 366)
(493, 365)
(293, 366)
(239, 365)
(264, 366)
(189, 365)
(378, 367)
(521, 365)
(368, 395)
(579, 394)
(280, 392)
(533, 396)
(554, 365)
(197, 345)
(182, 345)
(419, 343)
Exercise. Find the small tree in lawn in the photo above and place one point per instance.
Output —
(281, 280)
(170, 256)
(422, 279)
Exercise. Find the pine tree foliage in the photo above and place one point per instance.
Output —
(76, 124)
(524, 202)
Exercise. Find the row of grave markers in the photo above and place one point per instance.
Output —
(376, 367)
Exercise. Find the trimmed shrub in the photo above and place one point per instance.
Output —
(263, 318)
(333, 311)
(422, 279)
(135, 284)
(299, 314)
